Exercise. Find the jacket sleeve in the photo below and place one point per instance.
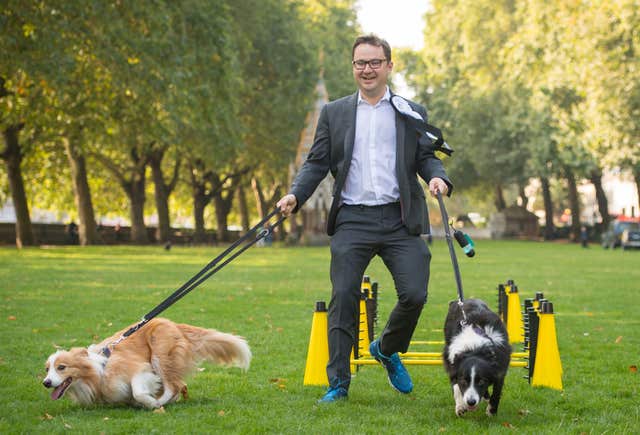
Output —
(428, 165)
(317, 164)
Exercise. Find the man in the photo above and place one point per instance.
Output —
(378, 209)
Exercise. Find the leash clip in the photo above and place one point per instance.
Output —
(463, 322)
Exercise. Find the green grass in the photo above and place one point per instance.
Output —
(76, 296)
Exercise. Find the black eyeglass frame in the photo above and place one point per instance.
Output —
(361, 65)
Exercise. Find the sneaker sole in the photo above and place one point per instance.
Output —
(389, 380)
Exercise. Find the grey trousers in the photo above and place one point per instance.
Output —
(361, 233)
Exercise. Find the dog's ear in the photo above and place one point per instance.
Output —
(79, 351)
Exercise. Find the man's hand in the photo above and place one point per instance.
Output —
(286, 204)
(438, 185)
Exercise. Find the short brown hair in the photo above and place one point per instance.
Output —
(374, 40)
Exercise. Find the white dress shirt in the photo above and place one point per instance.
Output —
(372, 175)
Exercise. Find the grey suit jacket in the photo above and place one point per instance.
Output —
(332, 150)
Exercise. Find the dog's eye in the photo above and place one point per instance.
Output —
(61, 367)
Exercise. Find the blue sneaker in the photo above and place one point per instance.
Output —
(398, 375)
(334, 394)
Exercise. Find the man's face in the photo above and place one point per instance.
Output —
(371, 82)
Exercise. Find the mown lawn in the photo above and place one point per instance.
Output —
(75, 296)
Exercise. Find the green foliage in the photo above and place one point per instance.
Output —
(527, 89)
(333, 24)
(77, 296)
(219, 82)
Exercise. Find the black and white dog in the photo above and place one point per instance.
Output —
(476, 355)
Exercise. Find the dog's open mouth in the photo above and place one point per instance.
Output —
(58, 392)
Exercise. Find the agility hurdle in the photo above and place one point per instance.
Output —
(533, 325)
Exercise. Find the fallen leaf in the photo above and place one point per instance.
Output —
(279, 329)
(12, 317)
(524, 412)
(68, 426)
(443, 429)
(633, 369)
(221, 413)
(619, 339)
(47, 416)
(106, 418)
(277, 380)
(508, 425)
(159, 410)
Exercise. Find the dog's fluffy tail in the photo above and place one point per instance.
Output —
(218, 347)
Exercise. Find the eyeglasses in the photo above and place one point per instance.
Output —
(373, 63)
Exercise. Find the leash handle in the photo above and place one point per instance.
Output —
(452, 252)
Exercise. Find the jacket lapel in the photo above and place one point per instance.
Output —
(349, 117)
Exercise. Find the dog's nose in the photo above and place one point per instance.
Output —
(47, 383)
(472, 402)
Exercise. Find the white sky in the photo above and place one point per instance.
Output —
(400, 22)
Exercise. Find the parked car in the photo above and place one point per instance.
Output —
(624, 232)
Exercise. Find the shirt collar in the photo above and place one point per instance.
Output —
(386, 96)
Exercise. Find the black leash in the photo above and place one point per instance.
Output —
(205, 273)
(452, 252)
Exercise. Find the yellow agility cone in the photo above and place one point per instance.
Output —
(315, 372)
(514, 323)
(547, 369)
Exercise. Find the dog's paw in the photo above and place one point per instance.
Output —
(460, 410)
(185, 393)
(491, 412)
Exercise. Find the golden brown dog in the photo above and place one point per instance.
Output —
(147, 368)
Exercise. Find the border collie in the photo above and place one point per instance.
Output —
(476, 355)
(145, 369)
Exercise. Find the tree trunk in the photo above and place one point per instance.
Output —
(12, 156)
(260, 202)
(523, 196)
(223, 207)
(87, 230)
(601, 198)
(132, 181)
(499, 198)
(161, 194)
(243, 208)
(200, 201)
(636, 177)
(549, 228)
(137, 198)
(574, 204)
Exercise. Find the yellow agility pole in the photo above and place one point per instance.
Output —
(423, 362)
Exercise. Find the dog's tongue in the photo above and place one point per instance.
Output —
(60, 389)
(57, 392)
